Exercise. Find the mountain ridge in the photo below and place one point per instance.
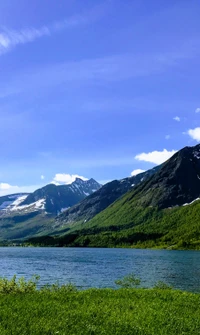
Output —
(59, 197)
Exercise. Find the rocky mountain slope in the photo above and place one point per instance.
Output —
(56, 199)
(98, 201)
(176, 183)
(31, 214)
(50, 199)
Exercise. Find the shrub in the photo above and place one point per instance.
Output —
(162, 286)
(129, 281)
(18, 286)
(69, 287)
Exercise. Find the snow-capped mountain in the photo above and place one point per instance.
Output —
(50, 199)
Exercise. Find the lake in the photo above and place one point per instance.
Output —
(101, 267)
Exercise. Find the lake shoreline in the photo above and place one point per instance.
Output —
(137, 247)
(100, 267)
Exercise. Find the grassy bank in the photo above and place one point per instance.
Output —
(95, 312)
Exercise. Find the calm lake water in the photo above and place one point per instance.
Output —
(101, 267)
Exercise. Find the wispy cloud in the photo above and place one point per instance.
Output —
(197, 110)
(10, 38)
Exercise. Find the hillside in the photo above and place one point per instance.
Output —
(163, 208)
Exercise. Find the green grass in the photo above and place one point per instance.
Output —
(100, 311)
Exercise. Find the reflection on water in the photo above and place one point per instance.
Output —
(101, 267)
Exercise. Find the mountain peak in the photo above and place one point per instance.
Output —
(52, 199)
(176, 183)
(79, 181)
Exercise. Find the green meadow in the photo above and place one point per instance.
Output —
(24, 310)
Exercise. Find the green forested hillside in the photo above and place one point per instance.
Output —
(126, 223)
(123, 225)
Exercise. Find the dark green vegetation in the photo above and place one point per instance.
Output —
(65, 311)
(16, 227)
(120, 226)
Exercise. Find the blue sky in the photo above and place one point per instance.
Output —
(95, 88)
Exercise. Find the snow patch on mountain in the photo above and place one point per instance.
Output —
(64, 209)
(17, 202)
(14, 206)
(10, 204)
(5, 204)
(50, 198)
(196, 154)
(191, 202)
(40, 204)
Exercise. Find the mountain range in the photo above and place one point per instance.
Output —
(157, 208)
(162, 211)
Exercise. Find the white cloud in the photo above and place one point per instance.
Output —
(194, 133)
(177, 118)
(42, 177)
(197, 110)
(137, 171)
(167, 137)
(65, 178)
(156, 157)
(5, 186)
